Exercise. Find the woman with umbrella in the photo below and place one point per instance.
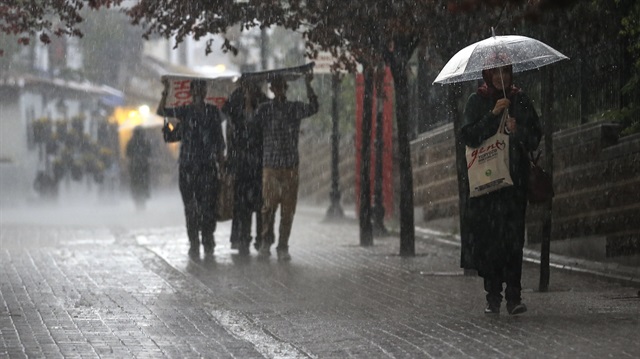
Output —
(496, 220)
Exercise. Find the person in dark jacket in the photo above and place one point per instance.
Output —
(199, 129)
(138, 152)
(496, 221)
(244, 161)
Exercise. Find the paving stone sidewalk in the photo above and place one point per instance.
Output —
(118, 292)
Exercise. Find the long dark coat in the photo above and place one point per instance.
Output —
(244, 152)
(496, 221)
(139, 151)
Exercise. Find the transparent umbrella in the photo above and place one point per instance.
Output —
(523, 53)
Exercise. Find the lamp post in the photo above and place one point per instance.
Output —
(335, 209)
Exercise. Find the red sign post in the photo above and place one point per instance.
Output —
(387, 136)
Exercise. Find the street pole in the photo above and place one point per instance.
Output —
(545, 246)
(378, 210)
(335, 211)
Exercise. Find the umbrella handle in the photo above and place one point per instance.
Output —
(504, 92)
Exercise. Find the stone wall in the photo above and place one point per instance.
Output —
(597, 200)
(596, 210)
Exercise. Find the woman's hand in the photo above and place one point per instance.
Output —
(500, 106)
(511, 125)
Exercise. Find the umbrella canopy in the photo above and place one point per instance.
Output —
(523, 53)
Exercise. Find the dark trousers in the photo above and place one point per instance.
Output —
(199, 189)
(511, 275)
(247, 198)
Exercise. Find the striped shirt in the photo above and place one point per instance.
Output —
(281, 129)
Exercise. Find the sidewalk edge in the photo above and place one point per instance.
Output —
(608, 270)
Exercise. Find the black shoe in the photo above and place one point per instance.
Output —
(283, 254)
(244, 249)
(194, 251)
(208, 248)
(492, 308)
(257, 244)
(516, 308)
(264, 252)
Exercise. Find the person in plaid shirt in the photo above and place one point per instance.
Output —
(202, 146)
(280, 120)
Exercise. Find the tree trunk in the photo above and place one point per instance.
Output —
(466, 246)
(366, 229)
(398, 64)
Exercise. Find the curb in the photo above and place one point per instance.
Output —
(614, 271)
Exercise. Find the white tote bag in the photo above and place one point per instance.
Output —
(488, 164)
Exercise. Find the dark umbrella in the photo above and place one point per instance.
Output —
(289, 73)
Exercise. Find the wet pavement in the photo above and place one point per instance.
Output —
(110, 282)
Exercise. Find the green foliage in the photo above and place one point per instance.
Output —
(322, 122)
(629, 31)
(630, 114)
(45, 18)
(72, 153)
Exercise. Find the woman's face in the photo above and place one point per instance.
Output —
(501, 82)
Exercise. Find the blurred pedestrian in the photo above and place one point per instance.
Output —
(280, 120)
(199, 129)
(496, 221)
(244, 161)
(138, 152)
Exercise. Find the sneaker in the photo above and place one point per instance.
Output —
(194, 251)
(516, 308)
(492, 308)
(208, 248)
(283, 255)
(208, 244)
(244, 249)
(264, 252)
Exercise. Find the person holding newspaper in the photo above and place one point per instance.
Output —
(280, 121)
(199, 129)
